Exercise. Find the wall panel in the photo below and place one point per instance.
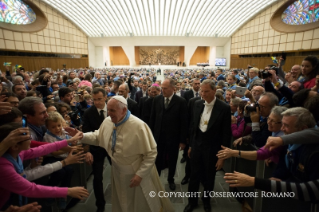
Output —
(36, 63)
(201, 55)
(118, 56)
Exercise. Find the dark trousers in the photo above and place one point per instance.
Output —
(188, 163)
(203, 162)
(167, 154)
(99, 155)
(61, 177)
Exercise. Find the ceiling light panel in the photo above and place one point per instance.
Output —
(203, 18)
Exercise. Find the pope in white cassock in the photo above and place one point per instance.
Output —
(132, 148)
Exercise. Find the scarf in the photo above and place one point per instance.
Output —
(291, 154)
(18, 166)
(38, 131)
(128, 113)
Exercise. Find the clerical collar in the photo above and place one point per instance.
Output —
(211, 103)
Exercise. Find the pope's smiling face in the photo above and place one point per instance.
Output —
(116, 110)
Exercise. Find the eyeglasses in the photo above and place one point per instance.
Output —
(273, 121)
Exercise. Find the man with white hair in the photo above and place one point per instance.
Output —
(98, 79)
(132, 148)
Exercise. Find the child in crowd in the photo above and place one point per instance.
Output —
(12, 178)
(55, 132)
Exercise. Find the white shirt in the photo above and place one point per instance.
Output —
(104, 111)
(195, 93)
(178, 93)
(144, 93)
(206, 115)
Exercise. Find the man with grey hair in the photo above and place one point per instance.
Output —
(131, 104)
(258, 119)
(168, 123)
(132, 148)
(98, 79)
(17, 80)
(301, 161)
(36, 114)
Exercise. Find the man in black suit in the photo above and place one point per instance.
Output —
(134, 88)
(141, 103)
(178, 90)
(131, 104)
(92, 119)
(212, 120)
(193, 93)
(168, 123)
(188, 95)
(141, 93)
(147, 106)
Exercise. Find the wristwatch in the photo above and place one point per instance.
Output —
(239, 155)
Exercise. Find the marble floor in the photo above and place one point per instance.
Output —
(218, 204)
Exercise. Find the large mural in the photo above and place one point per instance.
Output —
(156, 55)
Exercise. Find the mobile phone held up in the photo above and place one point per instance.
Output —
(24, 123)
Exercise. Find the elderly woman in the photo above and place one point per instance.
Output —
(274, 125)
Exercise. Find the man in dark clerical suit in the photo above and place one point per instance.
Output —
(141, 93)
(131, 104)
(92, 119)
(193, 93)
(190, 107)
(212, 120)
(141, 102)
(168, 123)
(147, 107)
(187, 96)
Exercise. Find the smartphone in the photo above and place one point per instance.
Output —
(24, 123)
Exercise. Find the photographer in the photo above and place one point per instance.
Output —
(76, 102)
(45, 87)
(257, 114)
(283, 93)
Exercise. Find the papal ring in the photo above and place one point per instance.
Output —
(235, 181)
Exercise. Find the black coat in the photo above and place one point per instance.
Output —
(219, 124)
(147, 109)
(91, 120)
(169, 125)
(141, 105)
(188, 95)
(139, 95)
(133, 107)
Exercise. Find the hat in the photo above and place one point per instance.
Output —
(120, 99)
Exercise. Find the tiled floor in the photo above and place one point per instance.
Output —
(218, 204)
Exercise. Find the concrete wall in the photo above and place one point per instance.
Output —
(128, 44)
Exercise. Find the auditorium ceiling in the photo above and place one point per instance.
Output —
(202, 18)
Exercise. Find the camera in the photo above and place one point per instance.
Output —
(265, 74)
(75, 118)
(252, 107)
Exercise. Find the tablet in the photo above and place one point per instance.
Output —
(240, 90)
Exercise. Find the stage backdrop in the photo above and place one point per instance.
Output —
(155, 55)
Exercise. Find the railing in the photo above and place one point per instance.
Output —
(258, 169)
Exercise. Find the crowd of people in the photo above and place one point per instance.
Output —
(50, 119)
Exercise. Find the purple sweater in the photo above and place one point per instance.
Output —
(237, 129)
(11, 181)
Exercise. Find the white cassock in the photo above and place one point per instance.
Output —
(135, 154)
